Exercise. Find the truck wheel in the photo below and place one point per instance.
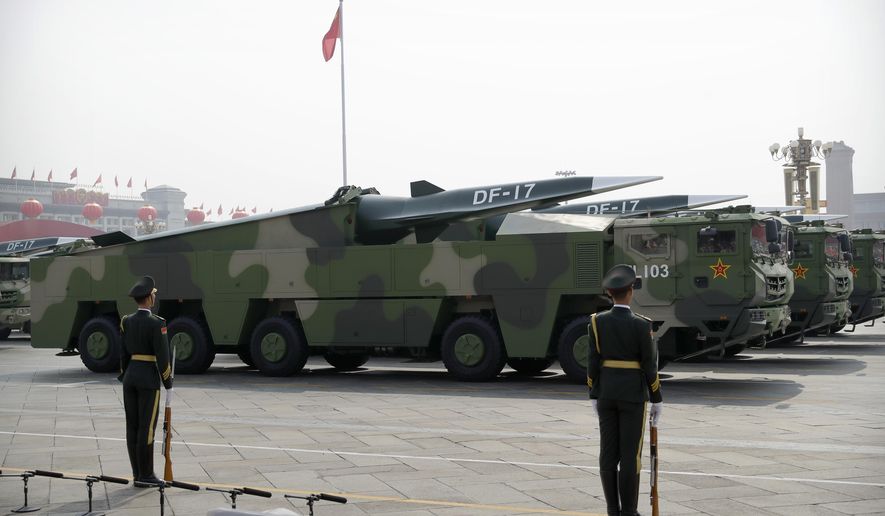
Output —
(245, 354)
(194, 351)
(346, 361)
(836, 328)
(733, 350)
(529, 366)
(4, 333)
(574, 345)
(26, 327)
(472, 349)
(99, 344)
(278, 347)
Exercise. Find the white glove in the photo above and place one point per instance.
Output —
(593, 404)
(655, 412)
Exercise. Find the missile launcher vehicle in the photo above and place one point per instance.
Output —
(430, 272)
(867, 300)
(823, 280)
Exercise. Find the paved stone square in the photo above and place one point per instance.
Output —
(787, 430)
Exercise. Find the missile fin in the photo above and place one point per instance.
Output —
(422, 188)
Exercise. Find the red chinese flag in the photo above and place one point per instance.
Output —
(116, 182)
(50, 176)
(145, 183)
(13, 173)
(129, 184)
(201, 206)
(255, 209)
(33, 174)
(74, 174)
(219, 210)
(97, 181)
(331, 37)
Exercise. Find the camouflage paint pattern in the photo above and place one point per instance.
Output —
(531, 276)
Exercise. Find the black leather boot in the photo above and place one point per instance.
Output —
(610, 490)
(145, 453)
(629, 489)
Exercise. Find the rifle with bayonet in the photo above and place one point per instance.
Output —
(167, 427)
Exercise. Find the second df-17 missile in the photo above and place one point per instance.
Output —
(431, 209)
(642, 205)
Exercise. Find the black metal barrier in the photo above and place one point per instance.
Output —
(162, 485)
(25, 475)
(316, 497)
(237, 491)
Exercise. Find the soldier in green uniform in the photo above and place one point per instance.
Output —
(144, 364)
(622, 374)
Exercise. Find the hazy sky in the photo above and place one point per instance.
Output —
(232, 102)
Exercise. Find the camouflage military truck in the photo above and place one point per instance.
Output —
(823, 280)
(360, 271)
(431, 272)
(711, 281)
(15, 295)
(868, 268)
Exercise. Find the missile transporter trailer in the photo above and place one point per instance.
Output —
(364, 271)
(868, 268)
(823, 281)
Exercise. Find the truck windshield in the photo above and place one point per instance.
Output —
(832, 250)
(13, 271)
(879, 254)
(757, 239)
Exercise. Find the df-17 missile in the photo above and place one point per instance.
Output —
(642, 205)
(430, 209)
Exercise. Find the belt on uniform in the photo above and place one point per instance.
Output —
(622, 364)
(145, 358)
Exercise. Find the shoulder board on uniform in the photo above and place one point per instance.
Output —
(158, 317)
(644, 318)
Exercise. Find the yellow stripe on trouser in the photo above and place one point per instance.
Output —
(641, 434)
(150, 439)
(595, 332)
(621, 364)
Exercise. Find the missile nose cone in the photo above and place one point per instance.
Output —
(608, 183)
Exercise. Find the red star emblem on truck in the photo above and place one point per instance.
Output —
(853, 270)
(800, 271)
(720, 269)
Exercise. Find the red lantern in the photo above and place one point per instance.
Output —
(92, 212)
(147, 213)
(32, 208)
(196, 216)
(239, 214)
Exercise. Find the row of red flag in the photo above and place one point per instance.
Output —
(97, 182)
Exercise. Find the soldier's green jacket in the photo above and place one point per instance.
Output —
(622, 362)
(144, 335)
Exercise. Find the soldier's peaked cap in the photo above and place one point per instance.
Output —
(619, 276)
(143, 288)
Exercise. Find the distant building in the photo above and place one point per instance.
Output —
(864, 210)
(65, 201)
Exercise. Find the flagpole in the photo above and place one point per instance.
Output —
(343, 124)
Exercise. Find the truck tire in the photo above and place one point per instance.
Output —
(5, 332)
(245, 354)
(472, 349)
(346, 361)
(194, 351)
(278, 347)
(100, 343)
(26, 327)
(529, 366)
(573, 347)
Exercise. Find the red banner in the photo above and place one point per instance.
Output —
(79, 197)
